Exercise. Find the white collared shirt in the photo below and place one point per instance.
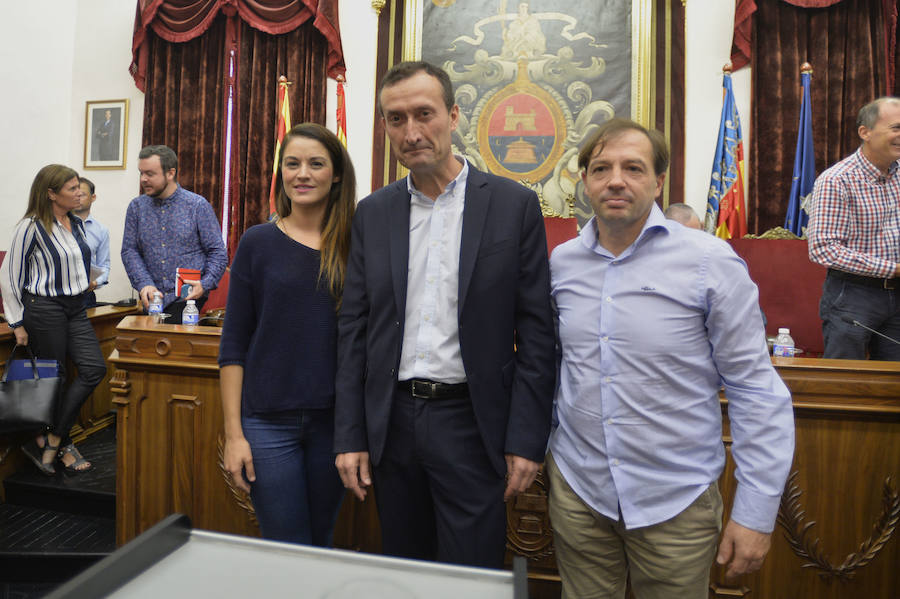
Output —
(431, 335)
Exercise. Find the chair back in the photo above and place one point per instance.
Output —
(559, 230)
(789, 288)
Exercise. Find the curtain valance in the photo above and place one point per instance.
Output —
(183, 20)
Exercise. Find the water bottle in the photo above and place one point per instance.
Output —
(784, 344)
(191, 315)
(156, 306)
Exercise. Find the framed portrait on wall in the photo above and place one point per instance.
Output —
(535, 78)
(105, 134)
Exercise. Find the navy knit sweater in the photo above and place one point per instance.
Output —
(279, 324)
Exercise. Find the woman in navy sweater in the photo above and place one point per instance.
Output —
(278, 348)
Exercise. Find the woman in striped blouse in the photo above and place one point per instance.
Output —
(43, 280)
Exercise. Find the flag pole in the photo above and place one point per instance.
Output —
(282, 126)
(725, 208)
(804, 174)
(341, 112)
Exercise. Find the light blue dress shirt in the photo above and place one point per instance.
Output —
(97, 237)
(430, 347)
(647, 339)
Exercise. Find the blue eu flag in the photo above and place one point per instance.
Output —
(804, 165)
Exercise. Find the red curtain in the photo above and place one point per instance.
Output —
(299, 56)
(182, 20)
(183, 106)
(743, 20)
(182, 53)
(848, 43)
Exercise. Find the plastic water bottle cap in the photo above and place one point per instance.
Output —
(784, 331)
(192, 302)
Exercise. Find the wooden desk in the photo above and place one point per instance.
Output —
(845, 479)
(847, 445)
(847, 422)
(169, 425)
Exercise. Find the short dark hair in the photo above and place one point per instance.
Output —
(404, 70)
(868, 114)
(167, 157)
(617, 126)
(87, 182)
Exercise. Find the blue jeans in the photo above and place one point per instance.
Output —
(297, 492)
(878, 309)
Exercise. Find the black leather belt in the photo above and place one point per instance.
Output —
(425, 389)
(892, 283)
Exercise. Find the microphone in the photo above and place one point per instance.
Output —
(856, 323)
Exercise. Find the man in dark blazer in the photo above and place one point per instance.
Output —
(446, 344)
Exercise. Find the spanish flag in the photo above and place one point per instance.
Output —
(725, 213)
(282, 126)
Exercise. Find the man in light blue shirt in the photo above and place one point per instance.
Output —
(654, 318)
(97, 237)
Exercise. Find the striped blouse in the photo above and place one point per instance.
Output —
(47, 264)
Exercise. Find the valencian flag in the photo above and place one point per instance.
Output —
(804, 162)
(725, 214)
(341, 112)
(282, 125)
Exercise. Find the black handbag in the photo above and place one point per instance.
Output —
(28, 403)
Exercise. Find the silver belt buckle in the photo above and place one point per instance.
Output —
(422, 394)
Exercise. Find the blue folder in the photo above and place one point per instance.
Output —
(21, 369)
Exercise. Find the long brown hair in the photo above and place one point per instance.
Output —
(335, 246)
(52, 176)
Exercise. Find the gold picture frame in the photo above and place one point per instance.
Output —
(642, 38)
(105, 134)
(465, 36)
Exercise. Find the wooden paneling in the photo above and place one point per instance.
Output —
(847, 419)
(848, 445)
(169, 419)
(98, 406)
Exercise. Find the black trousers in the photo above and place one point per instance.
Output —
(439, 497)
(58, 328)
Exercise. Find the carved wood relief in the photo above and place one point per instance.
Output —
(241, 499)
(528, 530)
(791, 517)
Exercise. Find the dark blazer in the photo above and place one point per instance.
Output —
(504, 301)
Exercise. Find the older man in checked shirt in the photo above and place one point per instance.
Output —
(854, 230)
(169, 227)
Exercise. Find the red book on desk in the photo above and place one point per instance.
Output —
(182, 275)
